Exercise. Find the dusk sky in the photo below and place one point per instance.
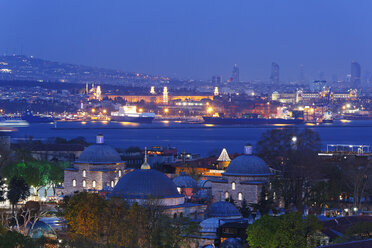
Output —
(194, 38)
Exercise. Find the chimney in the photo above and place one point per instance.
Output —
(248, 149)
(99, 139)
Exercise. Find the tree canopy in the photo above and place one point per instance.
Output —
(287, 231)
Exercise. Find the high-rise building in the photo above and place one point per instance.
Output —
(165, 95)
(216, 79)
(274, 73)
(355, 74)
(235, 74)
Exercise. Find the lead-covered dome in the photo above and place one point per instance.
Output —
(99, 154)
(142, 184)
(248, 165)
(184, 181)
(223, 209)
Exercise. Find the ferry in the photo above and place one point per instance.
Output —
(11, 122)
(130, 114)
(29, 117)
(251, 121)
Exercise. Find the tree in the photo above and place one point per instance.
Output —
(2, 189)
(17, 190)
(294, 154)
(289, 231)
(265, 202)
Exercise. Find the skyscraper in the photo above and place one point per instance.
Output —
(217, 79)
(235, 74)
(274, 73)
(355, 74)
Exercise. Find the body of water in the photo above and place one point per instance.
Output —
(195, 138)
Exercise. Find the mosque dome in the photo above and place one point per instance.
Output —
(247, 165)
(99, 153)
(184, 181)
(144, 183)
(223, 209)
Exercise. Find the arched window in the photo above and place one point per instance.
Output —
(179, 190)
(84, 173)
(233, 185)
(84, 183)
(112, 184)
(240, 196)
(226, 195)
(94, 184)
(119, 173)
(73, 183)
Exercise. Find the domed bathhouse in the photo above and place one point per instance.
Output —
(98, 166)
(146, 184)
(218, 213)
(185, 184)
(243, 179)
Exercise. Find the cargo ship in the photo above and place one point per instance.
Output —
(130, 114)
(249, 119)
(30, 118)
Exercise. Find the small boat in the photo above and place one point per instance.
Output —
(11, 122)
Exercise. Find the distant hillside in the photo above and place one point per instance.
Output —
(25, 68)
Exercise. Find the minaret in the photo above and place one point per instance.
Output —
(216, 93)
(165, 95)
(152, 90)
(145, 165)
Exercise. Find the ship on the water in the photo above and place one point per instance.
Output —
(249, 119)
(12, 122)
(130, 114)
(30, 118)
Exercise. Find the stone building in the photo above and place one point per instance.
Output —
(98, 166)
(186, 185)
(242, 180)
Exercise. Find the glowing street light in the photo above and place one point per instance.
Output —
(104, 111)
(166, 110)
(93, 110)
(294, 139)
(209, 110)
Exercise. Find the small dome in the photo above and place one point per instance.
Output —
(99, 154)
(40, 229)
(248, 165)
(210, 225)
(184, 181)
(140, 184)
(223, 209)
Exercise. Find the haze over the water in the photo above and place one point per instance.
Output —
(194, 38)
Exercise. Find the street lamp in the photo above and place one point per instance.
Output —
(294, 139)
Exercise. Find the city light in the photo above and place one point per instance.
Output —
(140, 110)
(93, 110)
(166, 110)
(294, 139)
(209, 110)
(104, 111)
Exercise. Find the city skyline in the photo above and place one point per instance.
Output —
(195, 40)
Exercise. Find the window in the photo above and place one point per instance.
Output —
(94, 184)
(226, 195)
(112, 184)
(73, 183)
(179, 190)
(233, 185)
(119, 173)
(84, 173)
(240, 196)
(84, 183)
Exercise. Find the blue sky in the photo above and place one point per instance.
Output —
(194, 38)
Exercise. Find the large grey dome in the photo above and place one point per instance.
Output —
(247, 165)
(99, 154)
(184, 181)
(140, 184)
(223, 209)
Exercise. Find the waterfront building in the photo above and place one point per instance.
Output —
(243, 179)
(98, 166)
